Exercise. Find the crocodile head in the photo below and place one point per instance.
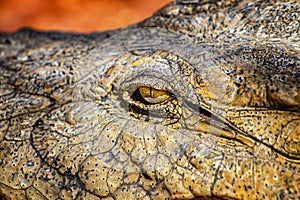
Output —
(202, 100)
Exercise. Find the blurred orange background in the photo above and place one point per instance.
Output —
(74, 15)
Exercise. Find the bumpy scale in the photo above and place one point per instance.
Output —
(199, 101)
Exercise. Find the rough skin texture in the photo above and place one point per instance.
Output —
(202, 100)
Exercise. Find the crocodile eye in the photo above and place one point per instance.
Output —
(153, 96)
(153, 104)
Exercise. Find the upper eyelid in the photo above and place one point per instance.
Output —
(148, 81)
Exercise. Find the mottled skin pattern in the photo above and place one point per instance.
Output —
(202, 100)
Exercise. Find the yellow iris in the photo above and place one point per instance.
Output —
(154, 96)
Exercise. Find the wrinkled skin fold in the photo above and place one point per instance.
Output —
(199, 101)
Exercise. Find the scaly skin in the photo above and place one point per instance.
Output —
(202, 100)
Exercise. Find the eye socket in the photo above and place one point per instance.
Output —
(156, 105)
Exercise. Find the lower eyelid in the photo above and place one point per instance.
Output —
(148, 107)
(157, 100)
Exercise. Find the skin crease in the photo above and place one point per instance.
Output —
(223, 120)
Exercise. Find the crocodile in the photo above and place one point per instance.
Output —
(199, 101)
